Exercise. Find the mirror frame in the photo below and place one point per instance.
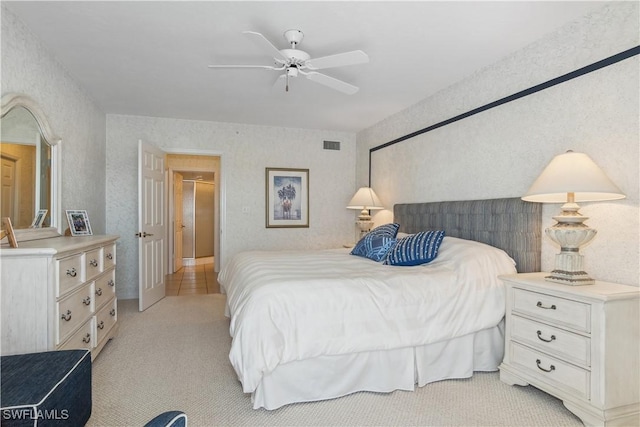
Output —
(9, 102)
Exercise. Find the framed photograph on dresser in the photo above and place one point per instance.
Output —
(8, 231)
(38, 220)
(79, 223)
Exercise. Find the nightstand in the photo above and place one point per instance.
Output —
(580, 344)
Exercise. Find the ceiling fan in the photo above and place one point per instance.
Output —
(293, 62)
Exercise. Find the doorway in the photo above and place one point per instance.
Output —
(193, 211)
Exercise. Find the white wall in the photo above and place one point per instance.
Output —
(500, 152)
(246, 151)
(28, 68)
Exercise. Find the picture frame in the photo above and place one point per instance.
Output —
(38, 220)
(79, 223)
(287, 198)
(8, 231)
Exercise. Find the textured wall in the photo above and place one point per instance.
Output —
(245, 152)
(500, 152)
(28, 68)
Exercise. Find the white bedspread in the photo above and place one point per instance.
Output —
(293, 305)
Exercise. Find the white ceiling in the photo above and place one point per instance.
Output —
(150, 58)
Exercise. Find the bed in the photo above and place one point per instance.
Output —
(316, 325)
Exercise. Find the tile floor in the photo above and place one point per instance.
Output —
(193, 280)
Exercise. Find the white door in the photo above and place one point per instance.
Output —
(151, 224)
(178, 225)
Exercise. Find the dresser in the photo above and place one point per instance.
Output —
(580, 344)
(59, 293)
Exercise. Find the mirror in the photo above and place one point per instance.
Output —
(29, 170)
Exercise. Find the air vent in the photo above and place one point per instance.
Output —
(331, 145)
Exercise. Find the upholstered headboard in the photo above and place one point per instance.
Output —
(509, 224)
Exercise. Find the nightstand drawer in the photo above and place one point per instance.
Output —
(551, 370)
(566, 345)
(558, 311)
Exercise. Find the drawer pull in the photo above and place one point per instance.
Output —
(551, 367)
(101, 325)
(72, 272)
(87, 300)
(539, 304)
(111, 283)
(553, 337)
(94, 262)
(109, 255)
(66, 316)
(87, 339)
(113, 312)
(99, 292)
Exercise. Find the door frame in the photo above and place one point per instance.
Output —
(219, 232)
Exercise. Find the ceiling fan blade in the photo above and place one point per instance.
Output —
(331, 82)
(266, 67)
(338, 60)
(275, 52)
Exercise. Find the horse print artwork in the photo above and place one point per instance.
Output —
(287, 197)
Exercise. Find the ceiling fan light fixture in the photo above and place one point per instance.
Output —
(294, 61)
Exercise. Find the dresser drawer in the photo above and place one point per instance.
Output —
(558, 311)
(551, 370)
(566, 345)
(105, 288)
(73, 310)
(109, 256)
(70, 273)
(105, 319)
(93, 263)
(83, 338)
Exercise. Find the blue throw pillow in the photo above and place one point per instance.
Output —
(390, 230)
(416, 249)
(377, 241)
(375, 247)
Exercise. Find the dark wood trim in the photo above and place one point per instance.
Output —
(537, 88)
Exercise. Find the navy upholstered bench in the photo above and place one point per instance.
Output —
(46, 389)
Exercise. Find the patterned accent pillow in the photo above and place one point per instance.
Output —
(390, 230)
(386, 230)
(375, 247)
(416, 249)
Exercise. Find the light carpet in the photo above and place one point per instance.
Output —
(174, 356)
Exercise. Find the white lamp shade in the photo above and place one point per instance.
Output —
(572, 173)
(365, 198)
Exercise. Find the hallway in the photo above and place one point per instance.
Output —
(193, 280)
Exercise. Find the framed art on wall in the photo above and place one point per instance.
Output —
(79, 223)
(287, 197)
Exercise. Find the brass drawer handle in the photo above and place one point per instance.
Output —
(101, 325)
(72, 272)
(553, 337)
(94, 262)
(66, 316)
(87, 300)
(99, 292)
(109, 255)
(113, 312)
(87, 339)
(111, 283)
(551, 367)
(539, 304)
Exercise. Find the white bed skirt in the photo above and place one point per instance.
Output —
(384, 371)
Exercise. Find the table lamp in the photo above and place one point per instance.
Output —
(571, 178)
(366, 200)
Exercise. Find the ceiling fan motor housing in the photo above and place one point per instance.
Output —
(293, 37)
